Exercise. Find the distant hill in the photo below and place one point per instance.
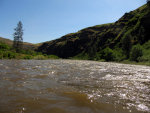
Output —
(91, 41)
(7, 41)
(26, 45)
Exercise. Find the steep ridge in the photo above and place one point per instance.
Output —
(91, 41)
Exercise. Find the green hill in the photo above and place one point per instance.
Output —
(114, 40)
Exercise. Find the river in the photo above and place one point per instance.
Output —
(72, 86)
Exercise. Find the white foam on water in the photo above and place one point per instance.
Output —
(142, 107)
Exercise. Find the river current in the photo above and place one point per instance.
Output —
(71, 86)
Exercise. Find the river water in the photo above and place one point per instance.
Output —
(70, 86)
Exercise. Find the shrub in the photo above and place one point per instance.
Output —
(108, 54)
(144, 59)
(119, 55)
(7, 55)
(53, 57)
(39, 57)
(147, 45)
(3, 46)
(11, 55)
(1, 55)
(27, 57)
(136, 53)
(81, 56)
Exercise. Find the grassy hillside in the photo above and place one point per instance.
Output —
(112, 42)
(27, 52)
(26, 45)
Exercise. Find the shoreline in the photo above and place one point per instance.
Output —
(122, 62)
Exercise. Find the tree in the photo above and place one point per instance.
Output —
(136, 52)
(18, 39)
(108, 54)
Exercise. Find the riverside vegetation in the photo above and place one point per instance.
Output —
(126, 40)
(8, 52)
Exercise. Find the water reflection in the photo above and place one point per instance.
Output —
(65, 86)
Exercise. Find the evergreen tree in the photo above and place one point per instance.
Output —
(18, 39)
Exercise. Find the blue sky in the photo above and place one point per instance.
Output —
(45, 20)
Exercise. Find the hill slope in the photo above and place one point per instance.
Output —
(132, 27)
(26, 45)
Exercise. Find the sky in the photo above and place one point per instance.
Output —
(45, 20)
